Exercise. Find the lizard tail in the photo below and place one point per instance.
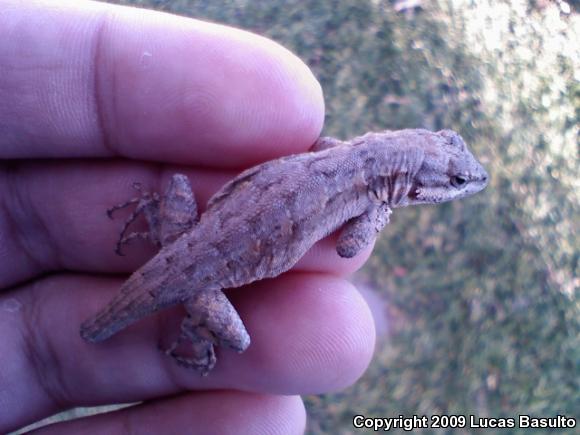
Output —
(135, 301)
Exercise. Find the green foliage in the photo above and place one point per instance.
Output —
(485, 298)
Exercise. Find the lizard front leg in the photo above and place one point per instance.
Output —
(211, 320)
(362, 230)
(167, 216)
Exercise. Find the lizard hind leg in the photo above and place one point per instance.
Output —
(167, 216)
(211, 320)
(178, 210)
(147, 203)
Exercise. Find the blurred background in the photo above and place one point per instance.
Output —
(476, 301)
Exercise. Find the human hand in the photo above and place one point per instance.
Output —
(94, 97)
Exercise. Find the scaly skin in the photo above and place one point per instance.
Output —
(263, 221)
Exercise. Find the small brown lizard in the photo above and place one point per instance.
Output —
(264, 220)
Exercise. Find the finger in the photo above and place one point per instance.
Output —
(54, 217)
(91, 79)
(311, 333)
(219, 412)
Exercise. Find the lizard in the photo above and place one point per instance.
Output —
(259, 224)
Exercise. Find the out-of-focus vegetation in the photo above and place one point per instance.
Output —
(482, 294)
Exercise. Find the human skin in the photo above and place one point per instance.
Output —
(92, 98)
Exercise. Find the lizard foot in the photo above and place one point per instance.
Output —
(147, 203)
(168, 216)
(211, 321)
(203, 359)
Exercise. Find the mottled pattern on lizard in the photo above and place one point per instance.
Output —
(264, 220)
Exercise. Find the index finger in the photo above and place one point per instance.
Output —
(84, 79)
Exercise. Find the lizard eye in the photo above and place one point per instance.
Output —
(458, 181)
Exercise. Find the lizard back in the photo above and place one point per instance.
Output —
(257, 226)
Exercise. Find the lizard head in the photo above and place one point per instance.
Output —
(448, 171)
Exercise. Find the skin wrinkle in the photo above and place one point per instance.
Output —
(97, 85)
(11, 223)
(41, 354)
(17, 206)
